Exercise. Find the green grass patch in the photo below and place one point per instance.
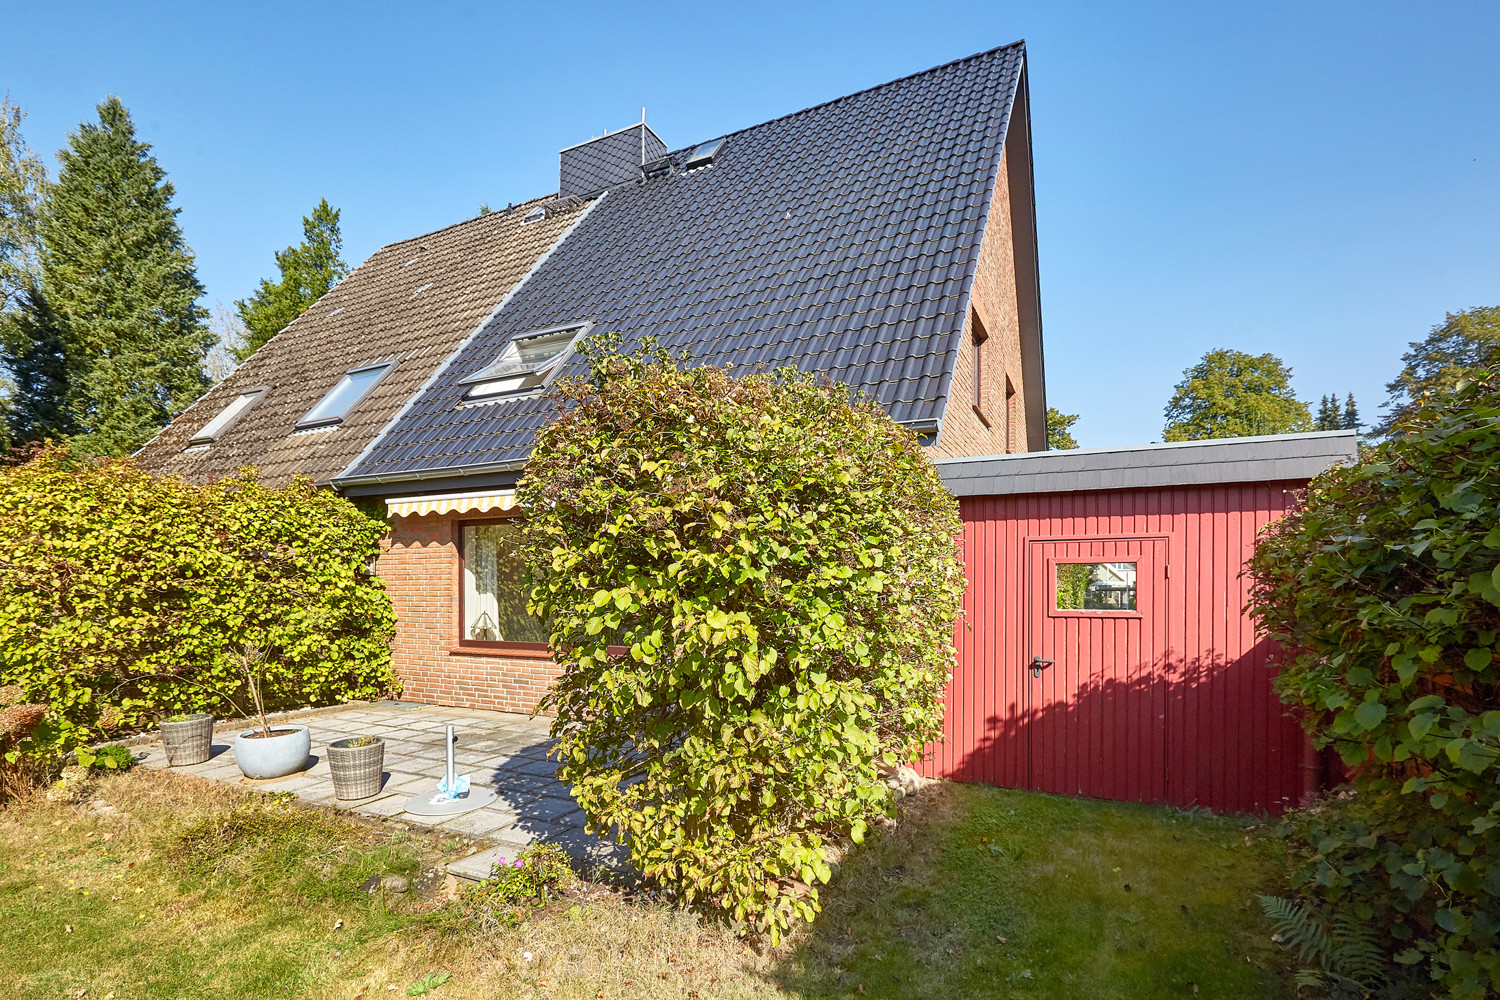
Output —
(991, 892)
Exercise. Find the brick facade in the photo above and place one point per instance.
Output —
(996, 424)
(420, 565)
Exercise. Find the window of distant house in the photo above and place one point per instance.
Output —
(1103, 586)
(494, 608)
(980, 335)
(346, 394)
(237, 408)
(528, 363)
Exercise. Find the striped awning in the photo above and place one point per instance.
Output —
(451, 503)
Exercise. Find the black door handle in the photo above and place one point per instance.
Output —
(1038, 665)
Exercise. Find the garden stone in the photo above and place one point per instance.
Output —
(395, 883)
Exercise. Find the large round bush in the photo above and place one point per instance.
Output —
(751, 584)
(128, 595)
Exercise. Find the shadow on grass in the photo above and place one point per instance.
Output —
(990, 892)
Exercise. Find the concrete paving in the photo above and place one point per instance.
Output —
(505, 752)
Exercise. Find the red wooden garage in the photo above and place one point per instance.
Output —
(1105, 651)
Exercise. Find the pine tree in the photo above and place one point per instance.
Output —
(308, 271)
(115, 331)
(1351, 414)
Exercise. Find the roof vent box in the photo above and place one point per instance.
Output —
(613, 158)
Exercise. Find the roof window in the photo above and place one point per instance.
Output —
(526, 364)
(237, 407)
(703, 154)
(348, 393)
(535, 215)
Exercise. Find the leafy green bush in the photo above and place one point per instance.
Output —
(1384, 588)
(129, 596)
(752, 585)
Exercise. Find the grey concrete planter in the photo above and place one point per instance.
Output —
(187, 741)
(356, 770)
(285, 752)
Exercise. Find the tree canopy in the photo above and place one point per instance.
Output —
(1059, 429)
(751, 585)
(307, 271)
(1465, 342)
(23, 184)
(1233, 394)
(1331, 417)
(112, 342)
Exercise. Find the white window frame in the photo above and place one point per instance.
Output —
(477, 383)
(329, 421)
(208, 434)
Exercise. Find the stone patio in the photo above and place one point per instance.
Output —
(507, 753)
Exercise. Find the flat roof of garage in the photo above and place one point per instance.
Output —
(1273, 458)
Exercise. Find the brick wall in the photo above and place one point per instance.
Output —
(420, 566)
(993, 303)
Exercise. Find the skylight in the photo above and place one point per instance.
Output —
(341, 400)
(227, 416)
(703, 154)
(535, 215)
(527, 363)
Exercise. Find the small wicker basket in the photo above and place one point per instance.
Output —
(187, 740)
(356, 770)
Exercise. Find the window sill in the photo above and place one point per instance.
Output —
(513, 650)
(980, 414)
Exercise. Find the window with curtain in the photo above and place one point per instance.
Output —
(494, 608)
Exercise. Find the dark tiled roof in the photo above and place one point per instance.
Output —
(842, 239)
(411, 302)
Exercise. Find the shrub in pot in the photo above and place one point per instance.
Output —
(267, 751)
(187, 738)
(356, 765)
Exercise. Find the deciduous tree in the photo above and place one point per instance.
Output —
(307, 271)
(1463, 343)
(1059, 429)
(1233, 394)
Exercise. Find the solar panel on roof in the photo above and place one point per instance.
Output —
(704, 153)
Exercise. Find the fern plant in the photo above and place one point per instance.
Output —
(1342, 960)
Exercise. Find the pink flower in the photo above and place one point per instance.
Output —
(518, 862)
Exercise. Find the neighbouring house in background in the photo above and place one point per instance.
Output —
(887, 240)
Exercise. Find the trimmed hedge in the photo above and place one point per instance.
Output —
(127, 594)
(751, 584)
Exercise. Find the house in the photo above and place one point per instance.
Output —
(886, 239)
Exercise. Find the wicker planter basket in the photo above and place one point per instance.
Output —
(356, 770)
(187, 740)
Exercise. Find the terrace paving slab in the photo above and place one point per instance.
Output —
(503, 751)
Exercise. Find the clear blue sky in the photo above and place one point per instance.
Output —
(1317, 180)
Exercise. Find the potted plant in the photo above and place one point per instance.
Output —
(187, 737)
(267, 751)
(356, 764)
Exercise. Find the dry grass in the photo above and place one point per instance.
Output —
(265, 905)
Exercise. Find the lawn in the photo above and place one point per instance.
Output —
(181, 888)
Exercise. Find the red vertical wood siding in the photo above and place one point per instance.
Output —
(1176, 709)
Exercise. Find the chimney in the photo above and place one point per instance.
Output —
(613, 158)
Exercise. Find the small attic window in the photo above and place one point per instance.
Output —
(237, 408)
(526, 364)
(535, 215)
(703, 154)
(346, 394)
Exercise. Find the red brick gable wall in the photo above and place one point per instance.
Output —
(993, 301)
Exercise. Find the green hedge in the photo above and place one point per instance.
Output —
(126, 594)
(752, 583)
(1384, 586)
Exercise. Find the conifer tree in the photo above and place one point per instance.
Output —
(308, 271)
(1351, 414)
(1328, 414)
(115, 331)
